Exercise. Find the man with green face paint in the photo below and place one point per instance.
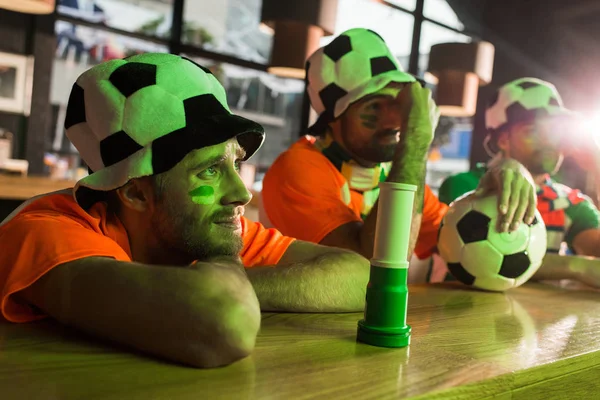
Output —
(151, 250)
(375, 124)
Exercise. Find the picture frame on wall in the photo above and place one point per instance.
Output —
(16, 83)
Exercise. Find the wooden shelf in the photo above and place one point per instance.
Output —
(23, 188)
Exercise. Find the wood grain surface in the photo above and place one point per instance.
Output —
(537, 341)
(23, 188)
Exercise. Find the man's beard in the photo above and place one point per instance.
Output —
(374, 151)
(545, 165)
(184, 238)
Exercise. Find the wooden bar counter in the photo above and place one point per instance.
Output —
(535, 342)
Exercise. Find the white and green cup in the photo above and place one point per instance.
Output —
(384, 322)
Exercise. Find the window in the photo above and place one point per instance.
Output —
(449, 153)
(395, 26)
(440, 11)
(78, 48)
(233, 28)
(275, 103)
(149, 17)
(433, 34)
(229, 27)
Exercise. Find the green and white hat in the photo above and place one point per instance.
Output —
(140, 116)
(355, 64)
(521, 100)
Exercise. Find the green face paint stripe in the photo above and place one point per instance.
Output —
(369, 117)
(369, 121)
(203, 195)
(202, 191)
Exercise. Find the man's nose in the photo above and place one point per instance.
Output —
(392, 117)
(235, 191)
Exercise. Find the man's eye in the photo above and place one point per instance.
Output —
(238, 165)
(374, 106)
(208, 172)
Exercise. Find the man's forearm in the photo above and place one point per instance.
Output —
(555, 267)
(332, 282)
(203, 316)
(583, 269)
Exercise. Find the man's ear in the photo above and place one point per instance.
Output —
(335, 128)
(502, 141)
(137, 194)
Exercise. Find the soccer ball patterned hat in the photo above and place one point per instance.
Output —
(140, 116)
(355, 64)
(521, 100)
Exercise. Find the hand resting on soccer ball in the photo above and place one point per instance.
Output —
(479, 256)
(514, 186)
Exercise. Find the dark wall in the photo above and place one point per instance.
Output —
(31, 35)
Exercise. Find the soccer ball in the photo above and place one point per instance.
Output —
(478, 255)
(521, 99)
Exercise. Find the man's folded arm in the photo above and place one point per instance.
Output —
(206, 315)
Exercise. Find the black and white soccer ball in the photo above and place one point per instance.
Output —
(522, 99)
(478, 255)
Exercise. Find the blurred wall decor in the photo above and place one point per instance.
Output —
(459, 69)
(16, 77)
(29, 6)
(298, 26)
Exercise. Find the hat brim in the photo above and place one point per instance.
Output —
(489, 142)
(371, 86)
(164, 153)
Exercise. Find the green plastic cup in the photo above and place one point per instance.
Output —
(384, 322)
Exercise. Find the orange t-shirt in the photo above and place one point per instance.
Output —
(303, 197)
(53, 230)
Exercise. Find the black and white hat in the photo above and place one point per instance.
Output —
(523, 99)
(356, 63)
(141, 115)
(518, 101)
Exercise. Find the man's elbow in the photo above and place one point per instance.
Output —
(234, 339)
(234, 328)
(349, 272)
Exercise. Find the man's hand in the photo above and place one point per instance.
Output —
(516, 192)
(420, 116)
